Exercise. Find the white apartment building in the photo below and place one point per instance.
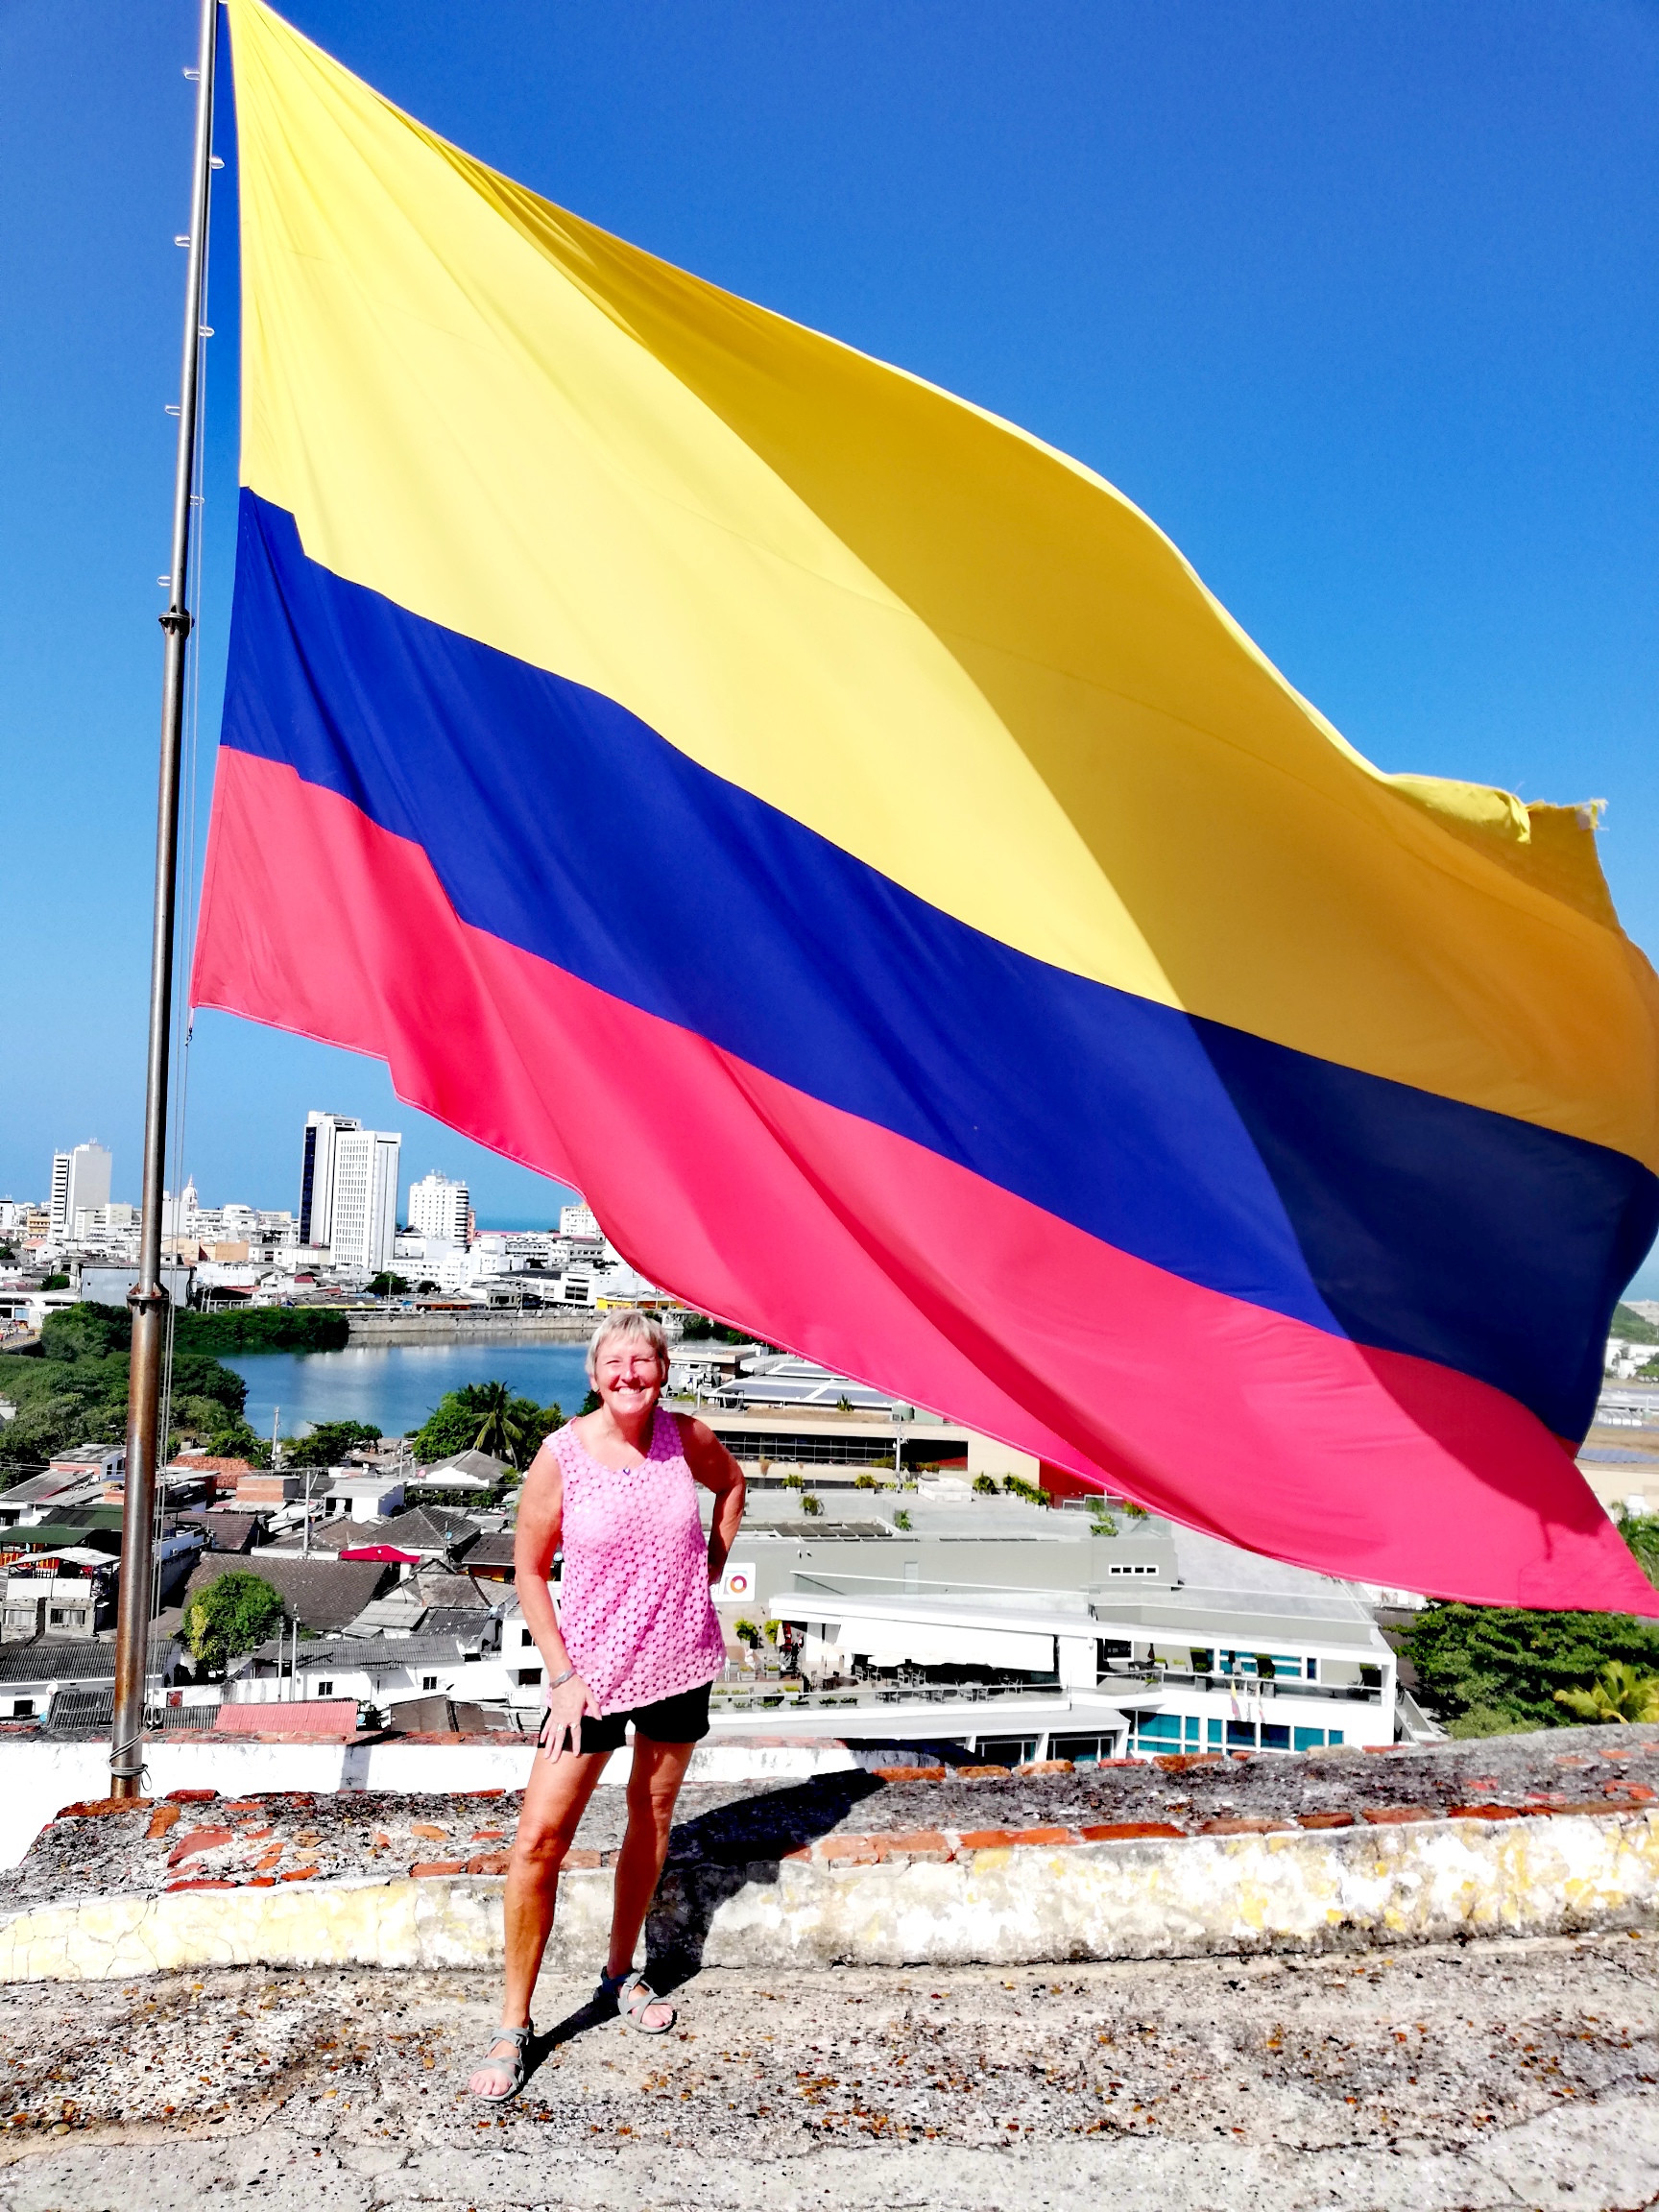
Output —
(364, 1230)
(439, 1207)
(114, 1224)
(80, 1178)
(322, 1134)
(578, 1220)
(58, 1202)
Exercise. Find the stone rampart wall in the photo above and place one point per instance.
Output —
(922, 1898)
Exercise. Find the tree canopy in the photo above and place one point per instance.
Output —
(328, 1443)
(233, 1615)
(73, 1390)
(1488, 1668)
(486, 1417)
(263, 1329)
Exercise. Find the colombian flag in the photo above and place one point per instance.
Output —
(842, 836)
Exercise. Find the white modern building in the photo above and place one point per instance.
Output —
(363, 1232)
(439, 1207)
(322, 1133)
(1020, 1633)
(577, 1221)
(362, 1496)
(80, 1179)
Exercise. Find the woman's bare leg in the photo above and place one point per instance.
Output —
(555, 1799)
(653, 1789)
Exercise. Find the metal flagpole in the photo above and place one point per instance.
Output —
(148, 1298)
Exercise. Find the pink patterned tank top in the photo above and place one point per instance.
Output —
(633, 1607)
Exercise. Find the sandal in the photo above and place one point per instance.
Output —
(514, 2068)
(633, 1997)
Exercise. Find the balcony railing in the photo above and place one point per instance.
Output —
(868, 1694)
(1125, 1671)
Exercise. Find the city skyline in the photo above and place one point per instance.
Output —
(60, 1177)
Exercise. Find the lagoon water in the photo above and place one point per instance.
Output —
(397, 1385)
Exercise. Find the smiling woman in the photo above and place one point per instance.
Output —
(635, 1639)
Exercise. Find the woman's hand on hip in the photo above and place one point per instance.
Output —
(567, 1707)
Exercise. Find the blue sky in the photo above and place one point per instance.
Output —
(1359, 302)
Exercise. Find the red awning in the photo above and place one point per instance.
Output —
(383, 1551)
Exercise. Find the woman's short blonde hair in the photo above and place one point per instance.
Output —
(629, 1322)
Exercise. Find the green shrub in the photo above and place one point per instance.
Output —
(1017, 1486)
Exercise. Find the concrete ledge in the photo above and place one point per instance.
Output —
(1291, 1890)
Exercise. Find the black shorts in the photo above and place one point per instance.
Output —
(681, 1719)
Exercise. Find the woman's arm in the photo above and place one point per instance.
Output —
(540, 1524)
(714, 1467)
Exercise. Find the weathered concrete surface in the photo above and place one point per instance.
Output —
(764, 1796)
(1182, 1897)
(1193, 1896)
(412, 1804)
(1490, 2074)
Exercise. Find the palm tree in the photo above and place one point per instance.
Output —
(1641, 1532)
(500, 1431)
(1620, 1692)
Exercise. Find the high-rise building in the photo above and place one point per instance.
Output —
(78, 1179)
(577, 1221)
(438, 1207)
(364, 1229)
(322, 1132)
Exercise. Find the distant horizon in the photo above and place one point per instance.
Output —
(1644, 1284)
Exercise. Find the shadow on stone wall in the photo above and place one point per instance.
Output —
(717, 1854)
